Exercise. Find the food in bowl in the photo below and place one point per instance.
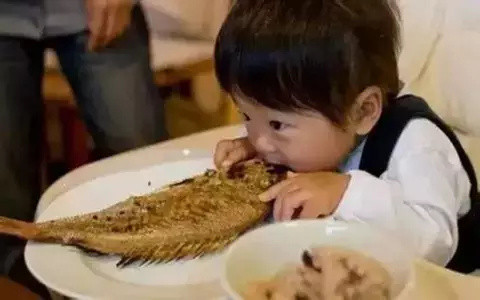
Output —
(332, 273)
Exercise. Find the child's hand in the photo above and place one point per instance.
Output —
(230, 152)
(317, 194)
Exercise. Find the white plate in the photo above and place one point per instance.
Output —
(73, 274)
(261, 253)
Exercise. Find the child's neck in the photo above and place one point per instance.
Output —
(352, 160)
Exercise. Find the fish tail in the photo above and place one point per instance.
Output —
(18, 228)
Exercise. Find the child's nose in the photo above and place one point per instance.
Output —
(263, 145)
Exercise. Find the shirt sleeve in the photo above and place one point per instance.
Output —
(418, 199)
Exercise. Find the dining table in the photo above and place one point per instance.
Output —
(428, 280)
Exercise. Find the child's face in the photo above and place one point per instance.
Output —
(306, 142)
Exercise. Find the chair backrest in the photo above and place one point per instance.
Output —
(440, 61)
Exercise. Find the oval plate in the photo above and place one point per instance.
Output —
(74, 274)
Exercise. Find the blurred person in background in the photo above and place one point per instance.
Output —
(103, 50)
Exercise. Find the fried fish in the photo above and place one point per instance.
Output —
(191, 218)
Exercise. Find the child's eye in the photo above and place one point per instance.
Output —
(277, 125)
(245, 117)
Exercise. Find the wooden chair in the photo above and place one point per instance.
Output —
(12, 290)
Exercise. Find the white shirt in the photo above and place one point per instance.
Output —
(419, 198)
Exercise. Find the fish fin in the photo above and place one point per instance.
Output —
(130, 262)
(24, 230)
(122, 261)
(127, 261)
(144, 262)
(90, 252)
(175, 252)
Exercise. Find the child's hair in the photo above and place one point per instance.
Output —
(308, 54)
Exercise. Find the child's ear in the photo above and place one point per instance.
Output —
(367, 109)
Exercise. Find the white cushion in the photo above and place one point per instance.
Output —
(171, 53)
(444, 67)
(458, 72)
(421, 21)
(196, 18)
(440, 61)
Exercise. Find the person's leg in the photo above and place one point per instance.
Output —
(21, 115)
(21, 68)
(114, 88)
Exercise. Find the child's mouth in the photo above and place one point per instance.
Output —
(279, 167)
(270, 160)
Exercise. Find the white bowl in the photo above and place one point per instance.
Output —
(261, 253)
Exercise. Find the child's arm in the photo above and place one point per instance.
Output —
(418, 198)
